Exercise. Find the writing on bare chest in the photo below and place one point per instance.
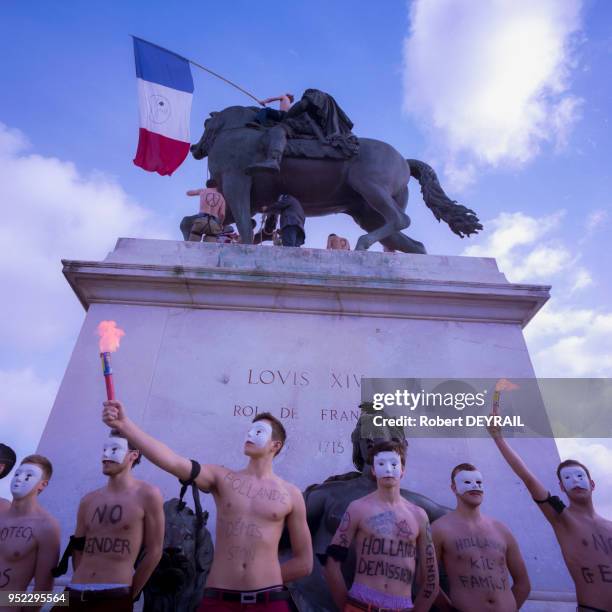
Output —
(15, 533)
(106, 514)
(390, 525)
(247, 487)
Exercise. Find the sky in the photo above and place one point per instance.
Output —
(507, 99)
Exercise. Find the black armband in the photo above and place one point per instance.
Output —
(74, 544)
(338, 553)
(77, 543)
(556, 503)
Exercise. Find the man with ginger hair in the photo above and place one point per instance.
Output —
(585, 537)
(30, 536)
(393, 544)
(253, 505)
(477, 553)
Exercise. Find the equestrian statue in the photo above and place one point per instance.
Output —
(311, 153)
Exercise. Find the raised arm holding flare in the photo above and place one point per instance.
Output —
(390, 535)
(252, 507)
(584, 536)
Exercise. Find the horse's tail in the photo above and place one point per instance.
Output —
(460, 219)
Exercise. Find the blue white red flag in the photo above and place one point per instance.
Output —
(165, 90)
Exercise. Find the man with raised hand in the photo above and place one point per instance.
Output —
(7, 461)
(116, 525)
(584, 536)
(392, 538)
(29, 535)
(477, 553)
(253, 505)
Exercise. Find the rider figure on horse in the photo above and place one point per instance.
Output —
(317, 115)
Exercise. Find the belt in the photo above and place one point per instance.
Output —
(371, 608)
(98, 594)
(247, 597)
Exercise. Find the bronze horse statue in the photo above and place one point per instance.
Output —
(371, 187)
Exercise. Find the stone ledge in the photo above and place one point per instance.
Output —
(246, 277)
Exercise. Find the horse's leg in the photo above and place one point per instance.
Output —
(237, 193)
(383, 204)
(401, 242)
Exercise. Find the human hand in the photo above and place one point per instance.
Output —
(495, 431)
(113, 415)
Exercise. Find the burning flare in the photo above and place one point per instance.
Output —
(110, 336)
(503, 384)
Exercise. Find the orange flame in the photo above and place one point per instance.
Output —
(503, 384)
(110, 336)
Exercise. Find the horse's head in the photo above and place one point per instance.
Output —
(229, 118)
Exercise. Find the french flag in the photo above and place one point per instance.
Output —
(165, 90)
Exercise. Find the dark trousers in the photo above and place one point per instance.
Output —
(292, 235)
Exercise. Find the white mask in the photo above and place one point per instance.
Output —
(27, 476)
(387, 463)
(259, 434)
(575, 476)
(468, 481)
(115, 449)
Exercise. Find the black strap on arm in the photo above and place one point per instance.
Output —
(336, 552)
(200, 516)
(556, 503)
(73, 544)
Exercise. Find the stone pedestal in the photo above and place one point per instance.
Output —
(216, 332)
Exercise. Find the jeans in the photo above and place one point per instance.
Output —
(292, 236)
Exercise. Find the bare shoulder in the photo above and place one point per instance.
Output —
(444, 523)
(91, 496)
(47, 523)
(419, 514)
(501, 528)
(150, 494)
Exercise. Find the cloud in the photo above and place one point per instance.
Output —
(597, 456)
(51, 211)
(491, 80)
(524, 247)
(563, 339)
(26, 401)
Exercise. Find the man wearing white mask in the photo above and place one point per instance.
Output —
(115, 525)
(477, 553)
(584, 536)
(390, 534)
(253, 505)
(29, 535)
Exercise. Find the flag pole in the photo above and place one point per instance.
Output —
(244, 91)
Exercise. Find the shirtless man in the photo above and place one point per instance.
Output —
(114, 524)
(390, 533)
(29, 535)
(7, 461)
(477, 553)
(253, 505)
(584, 536)
(211, 216)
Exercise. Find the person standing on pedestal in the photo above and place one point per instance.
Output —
(209, 221)
(253, 504)
(292, 219)
(477, 553)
